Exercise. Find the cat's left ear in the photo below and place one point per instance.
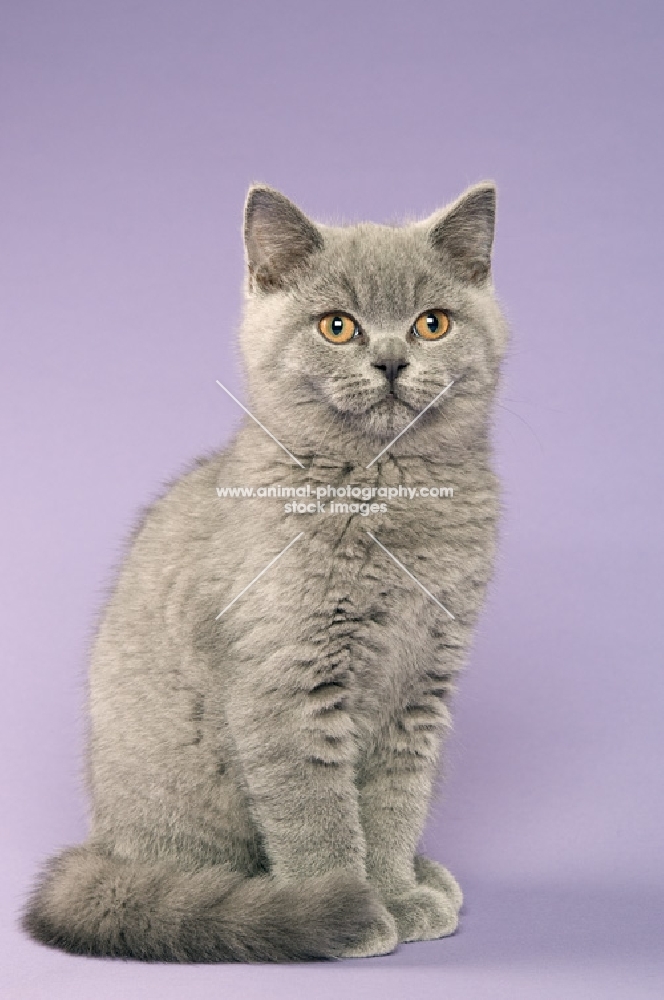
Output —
(463, 233)
(278, 237)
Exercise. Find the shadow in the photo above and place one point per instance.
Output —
(547, 923)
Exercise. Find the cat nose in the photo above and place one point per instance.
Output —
(391, 366)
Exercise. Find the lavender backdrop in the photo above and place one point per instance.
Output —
(130, 131)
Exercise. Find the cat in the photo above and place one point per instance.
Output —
(268, 690)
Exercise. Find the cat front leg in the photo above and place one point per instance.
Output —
(296, 751)
(394, 793)
(437, 876)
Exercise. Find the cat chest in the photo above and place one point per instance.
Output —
(360, 604)
(374, 609)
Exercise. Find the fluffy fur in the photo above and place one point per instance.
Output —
(260, 782)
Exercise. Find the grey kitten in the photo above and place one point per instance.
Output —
(260, 777)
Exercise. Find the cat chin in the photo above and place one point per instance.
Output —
(383, 419)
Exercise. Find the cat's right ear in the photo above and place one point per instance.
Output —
(278, 238)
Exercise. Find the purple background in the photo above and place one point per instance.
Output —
(130, 131)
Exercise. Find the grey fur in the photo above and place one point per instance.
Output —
(260, 783)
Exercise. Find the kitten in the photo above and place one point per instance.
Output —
(261, 765)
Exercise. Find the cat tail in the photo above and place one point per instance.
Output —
(93, 903)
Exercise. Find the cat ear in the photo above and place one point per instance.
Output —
(278, 238)
(463, 233)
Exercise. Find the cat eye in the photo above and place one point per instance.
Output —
(431, 325)
(338, 328)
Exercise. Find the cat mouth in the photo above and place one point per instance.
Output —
(390, 401)
(390, 408)
(394, 408)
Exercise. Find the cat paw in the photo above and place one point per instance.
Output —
(423, 913)
(380, 937)
(436, 876)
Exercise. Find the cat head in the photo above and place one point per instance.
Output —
(350, 332)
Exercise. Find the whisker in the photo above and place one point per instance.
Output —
(531, 402)
(519, 417)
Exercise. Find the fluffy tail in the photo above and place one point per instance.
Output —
(93, 903)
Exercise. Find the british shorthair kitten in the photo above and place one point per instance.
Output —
(270, 681)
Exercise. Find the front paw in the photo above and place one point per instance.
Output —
(423, 913)
(436, 876)
(379, 937)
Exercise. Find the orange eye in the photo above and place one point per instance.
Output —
(431, 325)
(337, 328)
